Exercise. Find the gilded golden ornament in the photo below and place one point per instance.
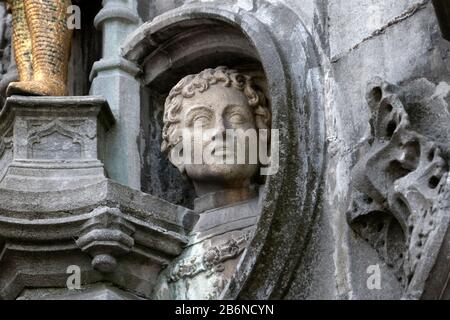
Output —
(41, 40)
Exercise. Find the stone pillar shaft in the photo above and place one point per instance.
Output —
(114, 78)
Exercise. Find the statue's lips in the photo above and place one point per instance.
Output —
(223, 152)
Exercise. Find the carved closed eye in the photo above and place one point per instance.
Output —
(199, 116)
(201, 120)
(237, 118)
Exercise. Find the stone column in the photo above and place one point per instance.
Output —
(114, 78)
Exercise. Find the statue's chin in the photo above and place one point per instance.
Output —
(234, 175)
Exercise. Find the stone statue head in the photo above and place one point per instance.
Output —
(217, 101)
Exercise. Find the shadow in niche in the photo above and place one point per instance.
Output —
(187, 53)
(86, 48)
(397, 169)
(385, 234)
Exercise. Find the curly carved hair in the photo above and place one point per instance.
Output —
(198, 83)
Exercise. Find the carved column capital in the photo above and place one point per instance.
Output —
(116, 11)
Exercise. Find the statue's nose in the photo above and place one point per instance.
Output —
(220, 129)
(221, 126)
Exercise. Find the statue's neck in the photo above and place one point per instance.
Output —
(224, 197)
(204, 188)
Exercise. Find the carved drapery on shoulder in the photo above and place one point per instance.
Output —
(400, 183)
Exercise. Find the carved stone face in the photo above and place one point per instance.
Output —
(216, 110)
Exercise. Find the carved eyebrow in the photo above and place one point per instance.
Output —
(199, 107)
(196, 109)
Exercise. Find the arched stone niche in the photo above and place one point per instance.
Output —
(282, 54)
(195, 48)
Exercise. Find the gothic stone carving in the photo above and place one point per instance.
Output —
(53, 137)
(114, 234)
(211, 260)
(217, 100)
(400, 182)
(106, 236)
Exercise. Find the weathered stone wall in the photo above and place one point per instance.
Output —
(358, 40)
(396, 41)
(86, 48)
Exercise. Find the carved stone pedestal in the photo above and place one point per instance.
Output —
(62, 220)
(50, 144)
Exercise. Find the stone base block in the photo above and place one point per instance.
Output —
(52, 143)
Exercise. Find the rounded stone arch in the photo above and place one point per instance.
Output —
(288, 57)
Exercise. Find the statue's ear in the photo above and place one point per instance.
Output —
(263, 117)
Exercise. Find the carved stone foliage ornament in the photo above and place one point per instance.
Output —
(400, 182)
(211, 261)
